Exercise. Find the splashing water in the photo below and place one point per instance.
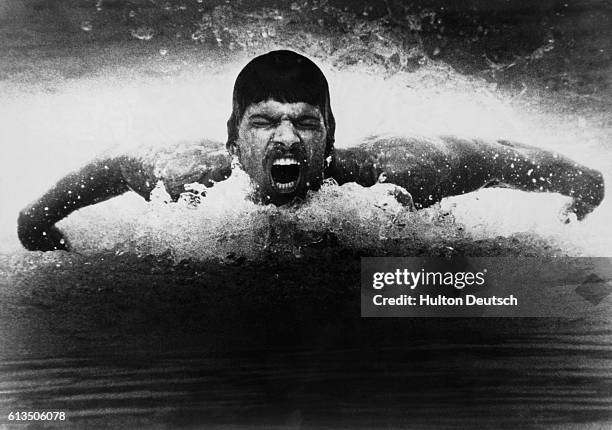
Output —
(86, 26)
(160, 103)
(143, 33)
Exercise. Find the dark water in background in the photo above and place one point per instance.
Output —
(269, 344)
(121, 341)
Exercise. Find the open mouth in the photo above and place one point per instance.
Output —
(285, 174)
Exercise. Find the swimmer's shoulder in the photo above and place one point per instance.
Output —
(181, 163)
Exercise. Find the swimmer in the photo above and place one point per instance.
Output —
(281, 133)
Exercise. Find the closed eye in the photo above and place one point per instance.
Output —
(308, 123)
(260, 121)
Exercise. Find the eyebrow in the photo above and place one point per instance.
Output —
(263, 115)
(275, 117)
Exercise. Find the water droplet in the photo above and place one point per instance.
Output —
(197, 35)
(143, 33)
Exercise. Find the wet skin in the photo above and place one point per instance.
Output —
(281, 146)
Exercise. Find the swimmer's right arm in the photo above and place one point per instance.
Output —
(96, 182)
(105, 178)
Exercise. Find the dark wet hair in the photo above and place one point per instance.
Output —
(284, 76)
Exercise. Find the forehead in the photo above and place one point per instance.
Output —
(273, 108)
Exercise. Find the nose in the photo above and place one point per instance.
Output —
(285, 134)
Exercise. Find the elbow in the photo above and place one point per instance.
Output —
(26, 229)
(39, 235)
(595, 192)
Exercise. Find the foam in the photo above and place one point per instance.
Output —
(53, 132)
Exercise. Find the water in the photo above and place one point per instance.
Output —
(140, 342)
(238, 315)
(334, 389)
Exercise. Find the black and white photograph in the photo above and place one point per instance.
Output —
(310, 214)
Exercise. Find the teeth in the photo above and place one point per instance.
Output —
(285, 161)
(287, 186)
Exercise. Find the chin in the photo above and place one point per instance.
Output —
(282, 191)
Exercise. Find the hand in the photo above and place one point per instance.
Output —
(48, 239)
(577, 208)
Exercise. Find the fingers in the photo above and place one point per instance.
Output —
(49, 239)
(577, 210)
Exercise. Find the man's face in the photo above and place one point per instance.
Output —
(282, 148)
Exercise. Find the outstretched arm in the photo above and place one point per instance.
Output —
(100, 180)
(94, 183)
(431, 169)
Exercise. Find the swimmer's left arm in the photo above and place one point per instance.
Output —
(420, 166)
(431, 169)
(533, 169)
